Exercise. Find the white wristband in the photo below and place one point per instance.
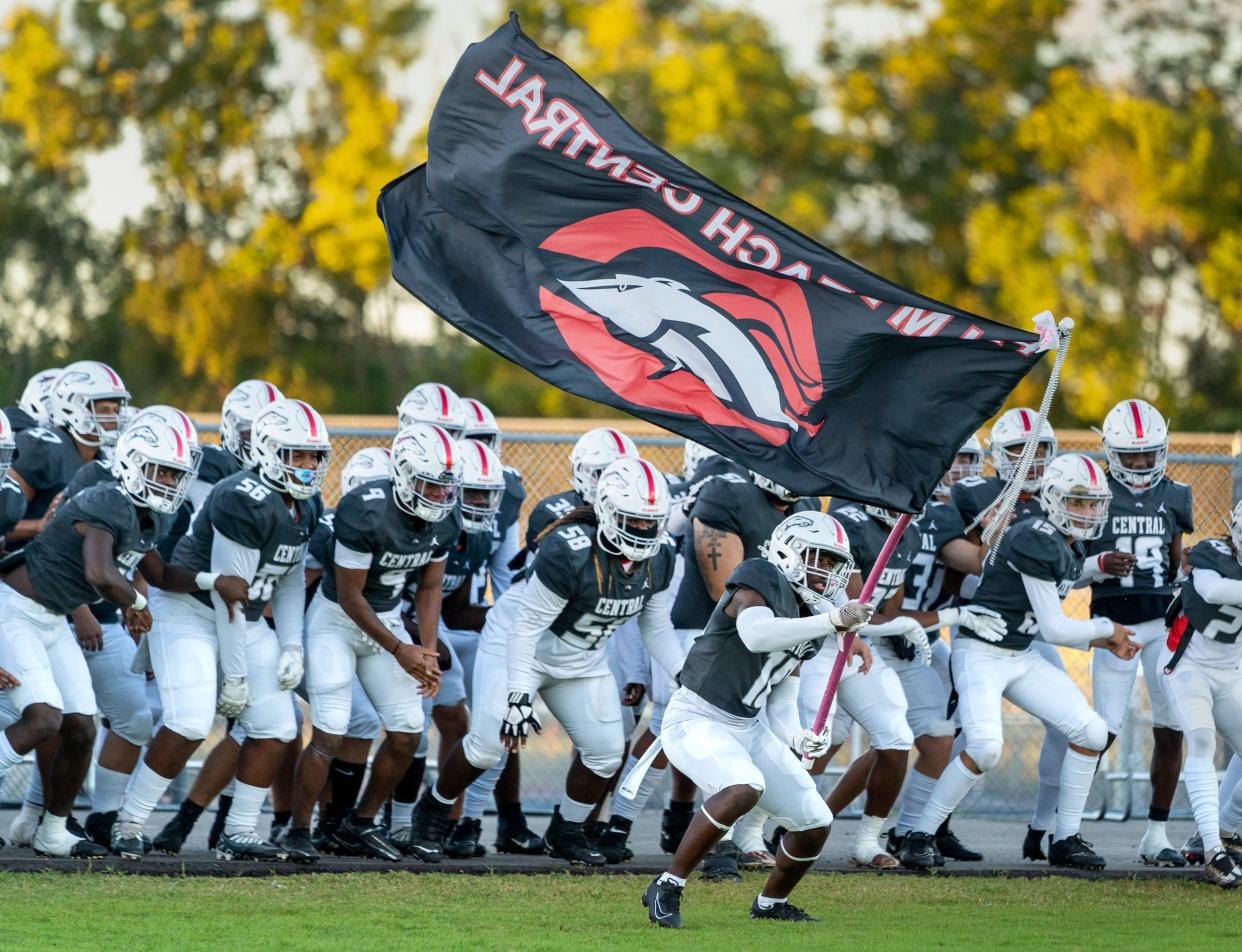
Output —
(140, 601)
(206, 581)
(947, 617)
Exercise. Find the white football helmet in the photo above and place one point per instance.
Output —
(279, 431)
(1133, 427)
(594, 452)
(632, 505)
(1235, 530)
(433, 403)
(1075, 496)
(243, 403)
(482, 485)
(773, 488)
(177, 420)
(481, 423)
(426, 471)
(148, 450)
(961, 469)
(8, 445)
(887, 516)
(74, 394)
(35, 395)
(374, 462)
(798, 547)
(694, 454)
(1008, 437)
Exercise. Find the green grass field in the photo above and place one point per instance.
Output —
(356, 912)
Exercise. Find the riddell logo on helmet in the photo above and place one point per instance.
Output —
(733, 345)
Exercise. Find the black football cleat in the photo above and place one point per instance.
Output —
(429, 826)
(673, 827)
(463, 842)
(1032, 846)
(720, 865)
(1222, 870)
(774, 843)
(99, 827)
(175, 832)
(1074, 852)
(893, 841)
(663, 902)
(781, 912)
(247, 846)
(613, 843)
(1192, 850)
(950, 847)
(299, 847)
(918, 851)
(371, 839)
(1232, 843)
(566, 840)
(125, 839)
(514, 836)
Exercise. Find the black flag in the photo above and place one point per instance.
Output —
(547, 228)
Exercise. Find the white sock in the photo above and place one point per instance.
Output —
(8, 756)
(950, 790)
(624, 806)
(869, 828)
(1157, 831)
(479, 793)
(145, 789)
(1229, 782)
(1199, 776)
(1051, 757)
(766, 903)
(1077, 772)
(244, 813)
(914, 799)
(573, 811)
(34, 790)
(54, 825)
(670, 878)
(441, 798)
(1231, 811)
(109, 790)
(401, 814)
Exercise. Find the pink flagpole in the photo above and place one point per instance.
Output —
(868, 589)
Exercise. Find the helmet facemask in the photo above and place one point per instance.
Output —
(815, 572)
(424, 497)
(1006, 458)
(279, 464)
(479, 506)
(1080, 512)
(1139, 469)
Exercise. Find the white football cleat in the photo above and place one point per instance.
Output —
(22, 830)
(1156, 850)
(56, 841)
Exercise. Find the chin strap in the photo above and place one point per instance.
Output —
(1004, 504)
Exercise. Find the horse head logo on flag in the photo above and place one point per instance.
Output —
(740, 352)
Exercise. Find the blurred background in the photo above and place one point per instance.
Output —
(187, 188)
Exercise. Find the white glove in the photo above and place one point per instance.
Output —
(851, 616)
(809, 745)
(234, 696)
(984, 622)
(913, 632)
(289, 668)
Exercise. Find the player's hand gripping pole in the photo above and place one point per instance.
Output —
(868, 589)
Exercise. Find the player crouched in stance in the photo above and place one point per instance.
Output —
(775, 614)
(1202, 686)
(1037, 563)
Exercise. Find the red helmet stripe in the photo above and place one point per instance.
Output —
(478, 410)
(1095, 479)
(482, 459)
(310, 419)
(1138, 419)
(180, 445)
(617, 439)
(448, 448)
(651, 486)
(186, 425)
(443, 401)
(1026, 420)
(116, 381)
(271, 393)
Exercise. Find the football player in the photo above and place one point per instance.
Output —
(436, 404)
(1037, 563)
(12, 501)
(241, 405)
(774, 614)
(92, 540)
(383, 531)
(1200, 665)
(1141, 550)
(32, 409)
(593, 569)
(254, 526)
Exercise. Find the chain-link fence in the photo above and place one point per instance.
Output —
(1209, 463)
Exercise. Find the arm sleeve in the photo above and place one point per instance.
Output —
(199, 491)
(893, 628)
(761, 631)
(498, 564)
(782, 708)
(348, 558)
(229, 558)
(289, 606)
(1092, 571)
(539, 609)
(658, 634)
(1055, 627)
(1215, 588)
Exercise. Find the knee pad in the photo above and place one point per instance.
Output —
(1095, 734)
(986, 752)
(815, 814)
(657, 718)
(1201, 743)
(332, 719)
(602, 763)
(364, 723)
(484, 754)
(188, 726)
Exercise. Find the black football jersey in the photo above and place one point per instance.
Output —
(92, 474)
(1036, 548)
(867, 536)
(217, 464)
(54, 557)
(510, 503)
(368, 519)
(974, 494)
(939, 525)
(602, 596)
(1221, 623)
(546, 511)
(720, 668)
(1143, 524)
(253, 515)
(717, 465)
(730, 503)
(466, 558)
(46, 459)
(319, 549)
(12, 505)
(19, 419)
